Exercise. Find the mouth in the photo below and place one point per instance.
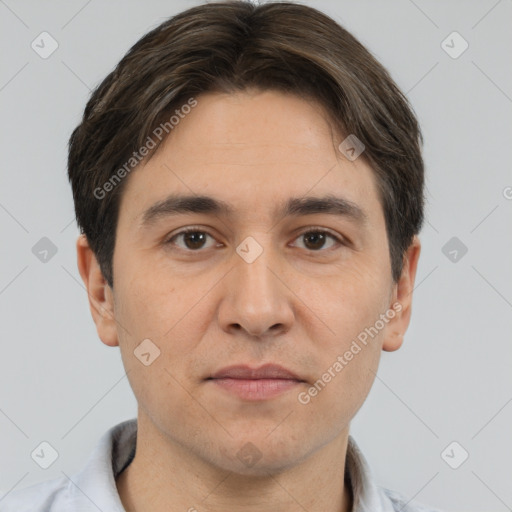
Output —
(245, 372)
(253, 384)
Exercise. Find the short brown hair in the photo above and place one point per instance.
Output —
(233, 46)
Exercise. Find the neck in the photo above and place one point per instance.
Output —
(165, 475)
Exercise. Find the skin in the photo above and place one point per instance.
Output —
(299, 304)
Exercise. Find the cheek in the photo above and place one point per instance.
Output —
(349, 300)
(348, 356)
(156, 341)
(149, 301)
(169, 311)
(345, 373)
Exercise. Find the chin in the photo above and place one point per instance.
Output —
(260, 456)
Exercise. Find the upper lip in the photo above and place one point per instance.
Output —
(267, 371)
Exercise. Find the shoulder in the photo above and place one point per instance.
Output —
(42, 497)
(93, 488)
(403, 504)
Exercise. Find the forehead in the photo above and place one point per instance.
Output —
(251, 150)
(249, 120)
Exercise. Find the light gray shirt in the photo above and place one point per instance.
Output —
(94, 489)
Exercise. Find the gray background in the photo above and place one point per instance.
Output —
(451, 380)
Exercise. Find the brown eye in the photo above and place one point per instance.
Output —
(193, 239)
(315, 240)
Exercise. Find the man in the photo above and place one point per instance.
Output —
(249, 185)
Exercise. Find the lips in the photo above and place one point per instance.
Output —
(245, 372)
(267, 382)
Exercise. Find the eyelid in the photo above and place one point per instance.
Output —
(327, 231)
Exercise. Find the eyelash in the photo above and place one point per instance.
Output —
(310, 230)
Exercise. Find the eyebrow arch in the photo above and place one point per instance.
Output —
(293, 207)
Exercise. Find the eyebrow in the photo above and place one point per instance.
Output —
(293, 207)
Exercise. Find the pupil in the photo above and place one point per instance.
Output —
(193, 234)
(318, 236)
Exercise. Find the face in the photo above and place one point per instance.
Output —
(253, 285)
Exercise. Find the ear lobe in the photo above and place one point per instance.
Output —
(397, 327)
(393, 341)
(101, 299)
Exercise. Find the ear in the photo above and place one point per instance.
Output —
(101, 298)
(402, 299)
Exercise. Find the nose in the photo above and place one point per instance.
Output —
(256, 297)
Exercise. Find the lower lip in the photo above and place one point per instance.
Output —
(256, 389)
